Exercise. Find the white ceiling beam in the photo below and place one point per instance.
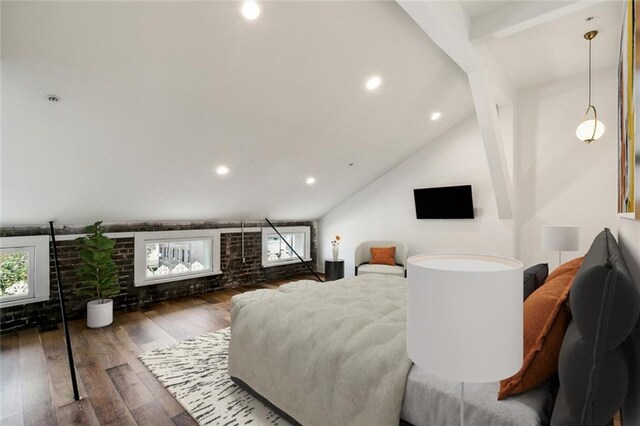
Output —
(493, 141)
(447, 24)
(519, 16)
(501, 88)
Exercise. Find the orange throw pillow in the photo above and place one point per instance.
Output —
(383, 255)
(546, 317)
(570, 266)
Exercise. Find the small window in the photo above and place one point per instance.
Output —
(171, 258)
(175, 255)
(24, 270)
(275, 251)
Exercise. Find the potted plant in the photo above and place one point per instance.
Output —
(98, 275)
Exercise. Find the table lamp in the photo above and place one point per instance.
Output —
(561, 238)
(464, 317)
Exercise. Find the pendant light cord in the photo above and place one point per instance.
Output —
(590, 72)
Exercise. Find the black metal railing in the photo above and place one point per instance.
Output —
(294, 252)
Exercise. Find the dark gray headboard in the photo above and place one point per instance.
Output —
(599, 366)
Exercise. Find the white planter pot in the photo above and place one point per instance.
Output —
(99, 314)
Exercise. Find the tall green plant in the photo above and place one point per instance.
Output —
(98, 273)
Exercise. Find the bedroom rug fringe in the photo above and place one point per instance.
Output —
(194, 371)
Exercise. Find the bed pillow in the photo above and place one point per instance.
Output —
(600, 357)
(533, 278)
(383, 255)
(570, 266)
(546, 317)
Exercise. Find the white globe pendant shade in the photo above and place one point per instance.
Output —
(585, 132)
(250, 10)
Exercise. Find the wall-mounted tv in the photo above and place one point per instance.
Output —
(446, 202)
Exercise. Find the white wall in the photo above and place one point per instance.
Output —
(560, 180)
(385, 208)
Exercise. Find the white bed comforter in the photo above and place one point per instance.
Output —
(326, 354)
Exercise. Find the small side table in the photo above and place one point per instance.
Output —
(333, 269)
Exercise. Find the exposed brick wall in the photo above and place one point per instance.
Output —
(235, 273)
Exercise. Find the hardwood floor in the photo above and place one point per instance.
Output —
(116, 388)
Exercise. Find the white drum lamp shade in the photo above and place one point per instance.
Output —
(561, 238)
(465, 316)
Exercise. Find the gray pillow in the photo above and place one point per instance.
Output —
(597, 371)
(533, 278)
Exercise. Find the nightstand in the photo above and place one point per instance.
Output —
(333, 269)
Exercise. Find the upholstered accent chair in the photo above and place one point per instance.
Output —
(363, 257)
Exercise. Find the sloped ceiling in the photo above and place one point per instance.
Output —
(155, 95)
(557, 49)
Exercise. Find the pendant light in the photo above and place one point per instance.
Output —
(590, 129)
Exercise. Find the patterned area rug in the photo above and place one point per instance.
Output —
(195, 373)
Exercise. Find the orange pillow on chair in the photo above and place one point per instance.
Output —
(383, 255)
(546, 317)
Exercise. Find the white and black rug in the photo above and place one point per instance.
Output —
(195, 373)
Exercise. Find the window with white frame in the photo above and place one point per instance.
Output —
(175, 255)
(277, 251)
(24, 270)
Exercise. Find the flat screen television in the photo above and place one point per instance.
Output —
(446, 202)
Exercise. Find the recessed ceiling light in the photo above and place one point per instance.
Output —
(435, 116)
(311, 180)
(373, 83)
(250, 10)
(222, 170)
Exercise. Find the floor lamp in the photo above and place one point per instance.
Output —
(560, 238)
(464, 318)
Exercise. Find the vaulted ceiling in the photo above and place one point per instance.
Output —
(156, 95)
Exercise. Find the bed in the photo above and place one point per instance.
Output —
(336, 354)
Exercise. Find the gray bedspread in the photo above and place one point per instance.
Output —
(431, 401)
(326, 354)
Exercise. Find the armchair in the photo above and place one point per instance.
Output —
(363, 257)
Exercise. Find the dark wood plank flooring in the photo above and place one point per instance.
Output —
(116, 388)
